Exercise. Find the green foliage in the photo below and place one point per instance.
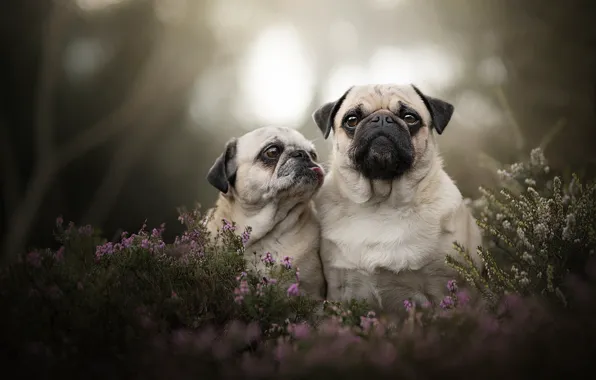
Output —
(540, 229)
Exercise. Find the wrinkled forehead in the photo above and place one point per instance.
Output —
(253, 142)
(384, 96)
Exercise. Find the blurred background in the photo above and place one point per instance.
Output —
(112, 111)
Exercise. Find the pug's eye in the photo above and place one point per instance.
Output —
(272, 152)
(314, 156)
(352, 121)
(410, 118)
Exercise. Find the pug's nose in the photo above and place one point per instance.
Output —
(382, 120)
(299, 153)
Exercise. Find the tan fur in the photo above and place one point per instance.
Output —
(386, 241)
(283, 222)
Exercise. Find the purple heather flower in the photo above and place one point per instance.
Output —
(368, 321)
(293, 290)
(446, 303)
(268, 259)
(227, 226)
(34, 259)
(71, 227)
(160, 245)
(244, 287)
(86, 230)
(127, 241)
(299, 331)
(105, 249)
(260, 292)
(245, 237)
(241, 291)
(158, 232)
(287, 262)
(408, 305)
(145, 244)
(452, 286)
(462, 297)
(59, 256)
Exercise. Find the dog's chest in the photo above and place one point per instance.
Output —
(294, 244)
(370, 238)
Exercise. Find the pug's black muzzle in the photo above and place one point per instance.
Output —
(300, 165)
(382, 147)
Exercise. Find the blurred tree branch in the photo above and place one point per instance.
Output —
(124, 160)
(520, 141)
(151, 86)
(9, 169)
(56, 23)
(21, 217)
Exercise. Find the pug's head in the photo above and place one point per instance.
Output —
(383, 130)
(267, 164)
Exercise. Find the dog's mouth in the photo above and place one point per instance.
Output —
(312, 172)
(302, 175)
(319, 173)
(378, 145)
(382, 140)
(380, 155)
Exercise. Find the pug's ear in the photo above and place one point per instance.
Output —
(223, 172)
(440, 111)
(325, 115)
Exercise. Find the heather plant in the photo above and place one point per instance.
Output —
(142, 307)
(93, 293)
(541, 230)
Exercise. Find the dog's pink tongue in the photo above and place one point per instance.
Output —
(319, 172)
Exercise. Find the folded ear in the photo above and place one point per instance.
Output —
(325, 115)
(322, 118)
(223, 172)
(440, 111)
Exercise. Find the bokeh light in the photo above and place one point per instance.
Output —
(342, 78)
(276, 78)
(426, 66)
(475, 111)
(386, 4)
(96, 5)
(84, 57)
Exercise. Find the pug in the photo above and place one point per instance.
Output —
(389, 212)
(267, 179)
